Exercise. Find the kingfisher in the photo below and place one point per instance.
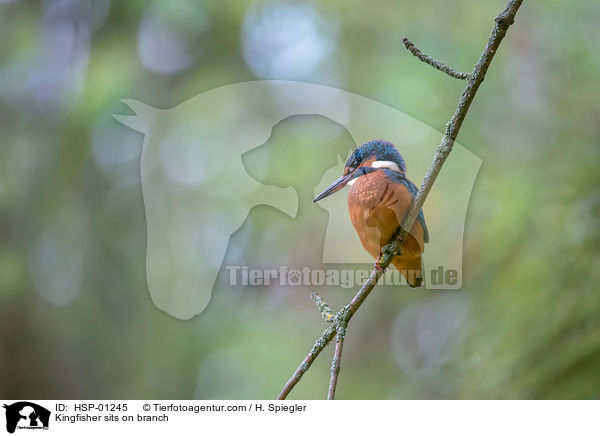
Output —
(379, 198)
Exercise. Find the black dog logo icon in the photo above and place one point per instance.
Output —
(26, 415)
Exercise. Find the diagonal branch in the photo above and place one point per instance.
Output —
(433, 62)
(329, 333)
(503, 21)
(320, 344)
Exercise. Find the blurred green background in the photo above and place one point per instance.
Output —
(76, 319)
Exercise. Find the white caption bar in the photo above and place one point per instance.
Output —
(23, 417)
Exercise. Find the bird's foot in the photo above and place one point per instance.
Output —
(399, 235)
(378, 263)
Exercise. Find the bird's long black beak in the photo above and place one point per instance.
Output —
(334, 187)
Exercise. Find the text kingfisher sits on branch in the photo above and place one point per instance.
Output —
(379, 198)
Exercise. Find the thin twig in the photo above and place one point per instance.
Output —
(323, 307)
(344, 315)
(320, 344)
(503, 22)
(341, 319)
(336, 364)
(434, 62)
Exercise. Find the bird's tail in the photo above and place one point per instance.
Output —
(411, 270)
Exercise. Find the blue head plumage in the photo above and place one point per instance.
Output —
(381, 150)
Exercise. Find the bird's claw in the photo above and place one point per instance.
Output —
(399, 235)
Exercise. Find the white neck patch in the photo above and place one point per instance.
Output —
(386, 164)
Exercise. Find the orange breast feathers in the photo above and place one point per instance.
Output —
(377, 206)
